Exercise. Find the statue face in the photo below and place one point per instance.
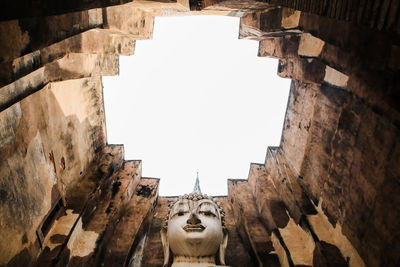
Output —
(194, 228)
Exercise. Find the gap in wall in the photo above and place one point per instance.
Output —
(195, 98)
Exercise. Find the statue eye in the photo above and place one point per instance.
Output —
(208, 213)
(181, 213)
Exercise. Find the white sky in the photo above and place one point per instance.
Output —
(195, 98)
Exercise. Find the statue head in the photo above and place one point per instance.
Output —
(195, 229)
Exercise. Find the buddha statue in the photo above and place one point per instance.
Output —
(194, 232)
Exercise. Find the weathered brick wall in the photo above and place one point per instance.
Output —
(46, 143)
(13, 9)
(339, 192)
(380, 14)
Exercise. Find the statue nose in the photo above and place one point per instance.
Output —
(193, 219)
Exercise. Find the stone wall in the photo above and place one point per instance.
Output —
(48, 141)
(379, 14)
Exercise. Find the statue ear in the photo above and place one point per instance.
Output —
(222, 247)
(165, 244)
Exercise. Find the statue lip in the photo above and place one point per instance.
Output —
(194, 228)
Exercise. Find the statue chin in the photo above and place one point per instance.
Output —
(194, 235)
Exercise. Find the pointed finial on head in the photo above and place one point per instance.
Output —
(196, 188)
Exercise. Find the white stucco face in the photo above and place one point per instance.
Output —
(194, 228)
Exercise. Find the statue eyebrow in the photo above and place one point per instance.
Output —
(207, 204)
